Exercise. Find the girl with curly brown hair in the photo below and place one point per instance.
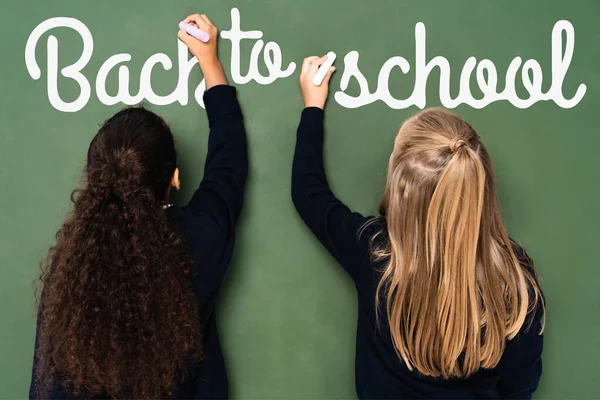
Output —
(127, 307)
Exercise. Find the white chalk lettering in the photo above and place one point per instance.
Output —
(486, 73)
(272, 58)
(72, 71)
(271, 55)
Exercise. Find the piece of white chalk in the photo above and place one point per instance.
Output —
(323, 69)
(195, 31)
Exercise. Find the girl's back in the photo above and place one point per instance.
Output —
(380, 371)
(129, 288)
(449, 306)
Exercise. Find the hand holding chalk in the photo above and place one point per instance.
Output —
(324, 68)
(314, 79)
(194, 31)
(200, 36)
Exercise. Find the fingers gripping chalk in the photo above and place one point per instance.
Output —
(195, 32)
(323, 69)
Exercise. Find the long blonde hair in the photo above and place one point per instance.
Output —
(453, 286)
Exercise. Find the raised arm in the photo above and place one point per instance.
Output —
(217, 202)
(220, 194)
(327, 217)
(221, 191)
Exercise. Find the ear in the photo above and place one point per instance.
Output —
(175, 179)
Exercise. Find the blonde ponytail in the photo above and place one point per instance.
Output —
(453, 286)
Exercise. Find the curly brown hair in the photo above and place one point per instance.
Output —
(117, 314)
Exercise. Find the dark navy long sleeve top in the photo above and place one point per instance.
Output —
(208, 224)
(380, 373)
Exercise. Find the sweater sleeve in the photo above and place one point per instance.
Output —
(219, 197)
(336, 227)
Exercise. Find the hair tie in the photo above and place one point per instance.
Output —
(456, 144)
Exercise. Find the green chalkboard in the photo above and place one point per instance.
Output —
(287, 312)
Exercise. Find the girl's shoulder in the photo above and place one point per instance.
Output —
(522, 255)
(537, 308)
(525, 260)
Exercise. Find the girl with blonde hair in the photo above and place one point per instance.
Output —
(449, 305)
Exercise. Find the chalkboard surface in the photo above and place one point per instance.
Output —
(287, 313)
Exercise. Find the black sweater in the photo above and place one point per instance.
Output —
(208, 223)
(380, 373)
